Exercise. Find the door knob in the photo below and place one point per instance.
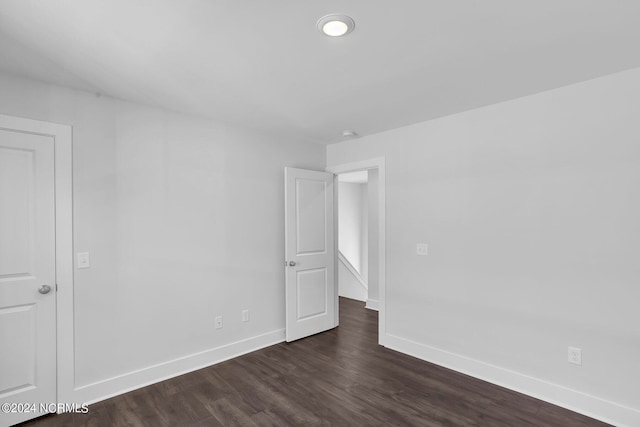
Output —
(292, 263)
(44, 289)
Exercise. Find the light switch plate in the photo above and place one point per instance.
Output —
(245, 315)
(83, 260)
(421, 249)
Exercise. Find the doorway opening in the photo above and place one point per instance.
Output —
(361, 187)
(357, 236)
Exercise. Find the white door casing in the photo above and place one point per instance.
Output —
(310, 284)
(27, 273)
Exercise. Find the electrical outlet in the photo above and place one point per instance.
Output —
(421, 249)
(575, 356)
(245, 315)
(218, 322)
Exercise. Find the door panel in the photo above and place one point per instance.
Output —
(16, 199)
(18, 328)
(311, 294)
(27, 262)
(311, 221)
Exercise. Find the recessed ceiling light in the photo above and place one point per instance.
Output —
(335, 25)
(349, 134)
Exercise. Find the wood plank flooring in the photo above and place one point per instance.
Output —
(337, 378)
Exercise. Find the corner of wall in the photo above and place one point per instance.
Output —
(555, 394)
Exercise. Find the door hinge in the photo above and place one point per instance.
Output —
(56, 287)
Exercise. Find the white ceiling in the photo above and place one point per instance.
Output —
(264, 65)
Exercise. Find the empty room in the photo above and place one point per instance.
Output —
(319, 213)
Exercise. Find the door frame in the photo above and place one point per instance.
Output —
(379, 164)
(62, 137)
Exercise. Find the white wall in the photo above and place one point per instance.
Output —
(352, 224)
(349, 281)
(364, 231)
(372, 243)
(183, 218)
(531, 211)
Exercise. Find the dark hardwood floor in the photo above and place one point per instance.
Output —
(337, 378)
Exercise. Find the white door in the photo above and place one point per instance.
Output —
(311, 294)
(27, 275)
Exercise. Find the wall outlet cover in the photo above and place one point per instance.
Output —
(575, 356)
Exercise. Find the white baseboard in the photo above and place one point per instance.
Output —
(124, 383)
(573, 400)
(373, 304)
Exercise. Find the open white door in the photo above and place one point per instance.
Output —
(311, 294)
(27, 275)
